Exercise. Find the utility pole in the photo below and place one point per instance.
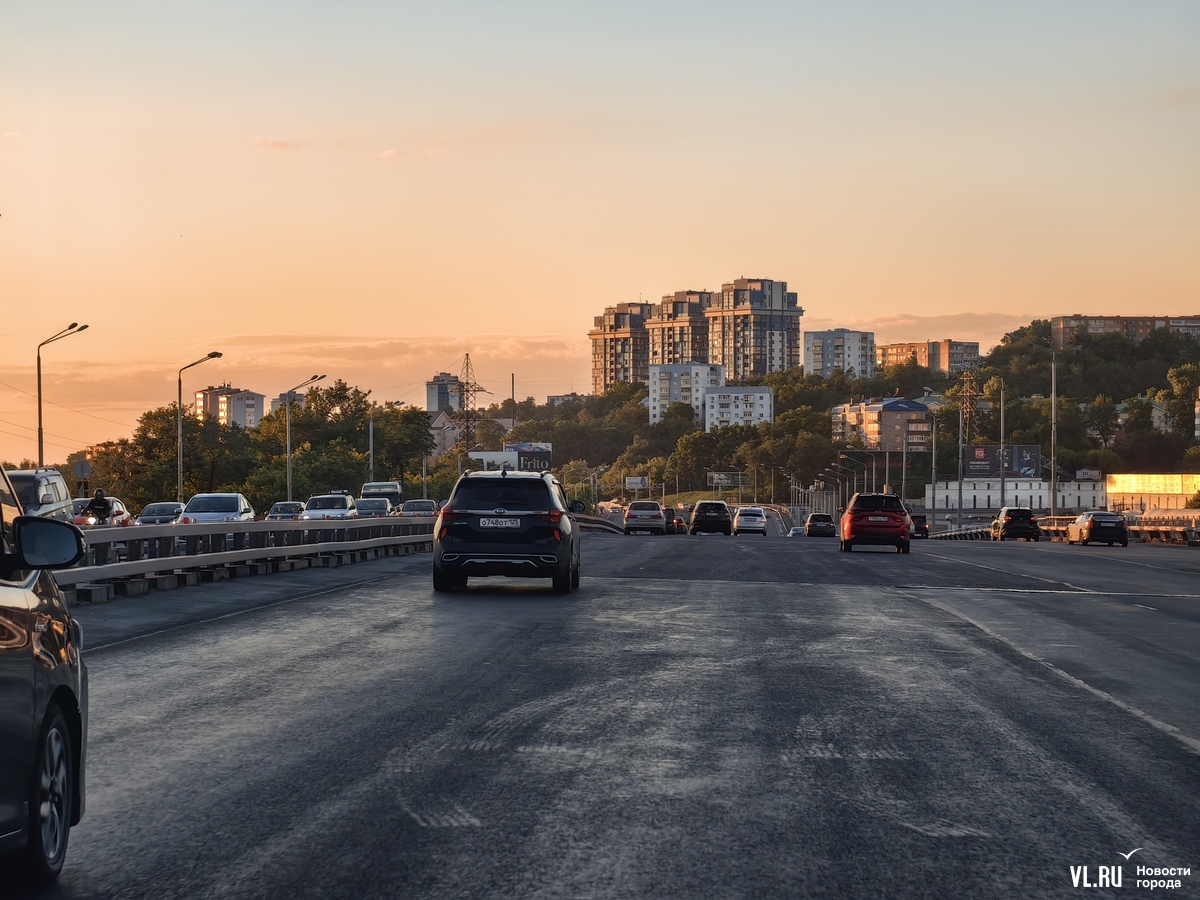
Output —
(933, 472)
(960, 464)
(1053, 435)
(1003, 466)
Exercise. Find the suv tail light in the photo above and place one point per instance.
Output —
(553, 517)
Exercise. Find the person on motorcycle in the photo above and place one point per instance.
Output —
(99, 507)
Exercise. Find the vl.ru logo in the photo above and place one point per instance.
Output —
(1100, 876)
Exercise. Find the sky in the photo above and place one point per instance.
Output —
(372, 190)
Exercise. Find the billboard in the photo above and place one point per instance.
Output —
(1020, 461)
(532, 456)
(728, 479)
(634, 483)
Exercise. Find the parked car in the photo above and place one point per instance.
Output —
(217, 508)
(516, 524)
(1015, 522)
(42, 492)
(920, 525)
(645, 515)
(119, 514)
(750, 520)
(162, 513)
(670, 518)
(374, 507)
(285, 510)
(419, 508)
(711, 516)
(43, 691)
(334, 505)
(820, 525)
(875, 519)
(1098, 526)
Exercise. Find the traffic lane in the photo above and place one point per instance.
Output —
(1138, 568)
(623, 741)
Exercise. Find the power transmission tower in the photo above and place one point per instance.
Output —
(970, 396)
(467, 416)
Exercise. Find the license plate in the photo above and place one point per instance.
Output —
(499, 523)
(877, 518)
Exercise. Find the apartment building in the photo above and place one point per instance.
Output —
(893, 424)
(754, 328)
(948, 357)
(679, 331)
(682, 383)
(621, 345)
(852, 352)
(278, 403)
(738, 406)
(1136, 328)
(230, 405)
(441, 392)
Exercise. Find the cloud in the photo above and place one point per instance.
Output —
(274, 144)
(488, 136)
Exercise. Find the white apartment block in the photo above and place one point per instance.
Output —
(231, 406)
(851, 351)
(738, 406)
(682, 383)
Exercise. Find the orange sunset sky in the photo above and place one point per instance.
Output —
(370, 190)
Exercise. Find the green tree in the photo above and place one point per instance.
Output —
(1101, 418)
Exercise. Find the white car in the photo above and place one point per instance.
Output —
(330, 506)
(750, 520)
(419, 508)
(217, 508)
(645, 515)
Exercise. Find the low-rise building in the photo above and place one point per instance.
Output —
(981, 498)
(738, 406)
(684, 383)
(1136, 328)
(852, 352)
(888, 424)
(948, 357)
(560, 399)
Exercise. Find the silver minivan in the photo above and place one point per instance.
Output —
(217, 508)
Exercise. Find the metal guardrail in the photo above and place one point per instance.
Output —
(138, 557)
(977, 533)
(1167, 529)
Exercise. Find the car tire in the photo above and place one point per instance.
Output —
(1083, 543)
(1124, 543)
(561, 583)
(728, 533)
(574, 577)
(1035, 540)
(627, 531)
(51, 797)
(1070, 543)
(904, 547)
(442, 582)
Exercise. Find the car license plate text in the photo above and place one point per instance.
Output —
(877, 518)
(499, 523)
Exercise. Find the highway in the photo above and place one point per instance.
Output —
(706, 717)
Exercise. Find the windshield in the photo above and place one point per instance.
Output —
(372, 504)
(161, 509)
(212, 505)
(327, 503)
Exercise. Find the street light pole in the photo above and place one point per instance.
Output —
(73, 328)
(287, 413)
(216, 354)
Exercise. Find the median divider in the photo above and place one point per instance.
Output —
(136, 559)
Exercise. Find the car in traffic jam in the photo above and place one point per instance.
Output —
(711, 517)
(1014, 522)
(160, 513)
(334, 505)
(750, 520)
(820, 525)
(285, 510)
(645, 515)
(1098, 527)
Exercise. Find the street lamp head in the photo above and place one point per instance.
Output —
(216, 354)
(72, 325)
(80, 328)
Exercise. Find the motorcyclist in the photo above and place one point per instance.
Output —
(99, 507)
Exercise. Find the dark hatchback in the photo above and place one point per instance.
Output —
(1015, 522)
(43, 691)
(515, 524)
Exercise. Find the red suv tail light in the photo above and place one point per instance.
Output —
(553, 517)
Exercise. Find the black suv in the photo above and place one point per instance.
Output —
(43, 690)
(1015, 522)
(507, 523)
(711, 516)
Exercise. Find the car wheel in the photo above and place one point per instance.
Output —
(728, 533)
(904, 547)
(627, 531)
(575, 577)
(1070, 542)
(50, 800)
(1124, 543)
(561, 584)
(1036, 539)
(442, 582)
(1083, 543)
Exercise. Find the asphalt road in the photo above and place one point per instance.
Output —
(706, 717)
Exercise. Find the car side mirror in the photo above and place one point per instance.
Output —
(46, 498)
(46, 543)
(577, 506)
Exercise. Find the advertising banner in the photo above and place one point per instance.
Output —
(728, 479)
(532, 456)
(1020, 461)
(633, 483)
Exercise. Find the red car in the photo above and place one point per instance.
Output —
(876, 519)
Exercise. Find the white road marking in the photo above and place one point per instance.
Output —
(1007, 572)
(1146, 607)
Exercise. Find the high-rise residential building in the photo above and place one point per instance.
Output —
(1136, 328)
(884, 424)
(621, 345)
(754, 328)
(441, 392)
(297, 401)
(948, 357)
(682, 383)
(230, 405)
(679, 331)
(853, 352)
(738, 406)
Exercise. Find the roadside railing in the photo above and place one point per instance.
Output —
(974, 533)
(1055, 527)
(1167, 529)
(134, 559)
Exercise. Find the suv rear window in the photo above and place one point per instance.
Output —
(212, 504)
(820, 518)
(499, 494)
(643, 504)
(1020, 513)
(878, 501)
